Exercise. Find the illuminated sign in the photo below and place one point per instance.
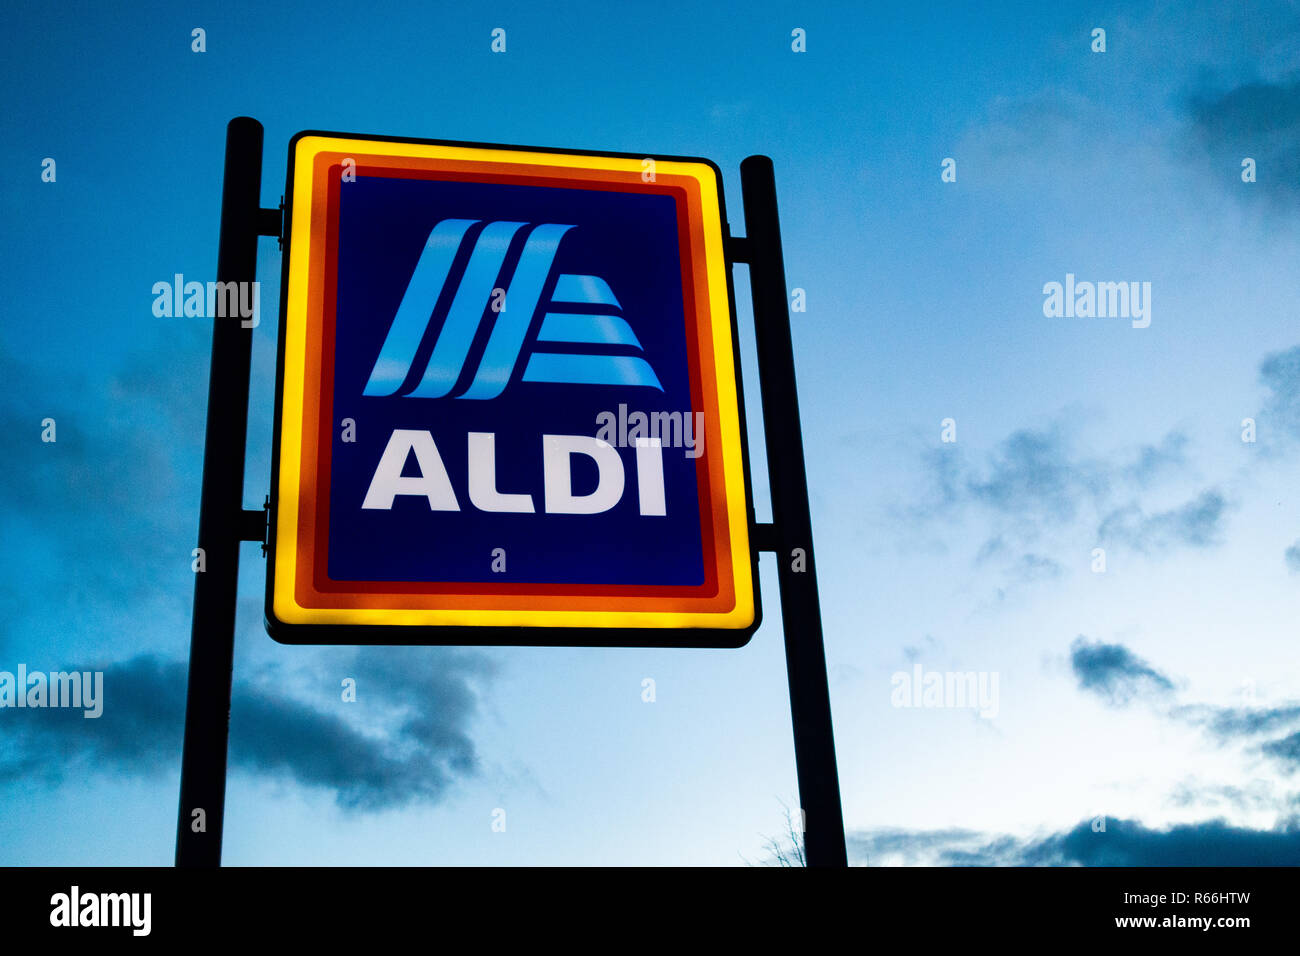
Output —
(507, 407)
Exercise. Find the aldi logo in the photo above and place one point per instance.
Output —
(460, 325)
(465, 315)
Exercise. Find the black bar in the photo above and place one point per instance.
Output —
(270, 222)
(252, 526)
(1022, 905)
(221, 513)
(801, 617)
(764, 537)
(737, 249)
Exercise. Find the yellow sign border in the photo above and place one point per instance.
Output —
(283, 601)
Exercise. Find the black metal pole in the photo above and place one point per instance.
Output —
(801, 616)
(221, 515)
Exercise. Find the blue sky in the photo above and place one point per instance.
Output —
(1162, 694)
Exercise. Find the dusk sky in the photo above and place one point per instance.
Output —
(1158, 692)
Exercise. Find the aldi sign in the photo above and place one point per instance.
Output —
(508, 407)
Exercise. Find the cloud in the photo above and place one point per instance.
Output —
(929, 645)
(1025, 569)
(1259, 120)
(1293, 557)
(1153, 461)
(885, 845)
(1129, 843)
(106, 514)
(943, 468)
(1280, 374)
(109, 511)
(1285, 751)
(1230, 723)
(1032, 472)
(1035, 480)
(1027, 139)
(1256, 796)
(1119, 676)
(425, 700)
(1035, 494)
(1196, 524)
(1122, 843)
(1035, 483)
(1114, 672)
(1035, 567)
(139, 731)
(416, 705)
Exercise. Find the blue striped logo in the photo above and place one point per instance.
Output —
(583, 311)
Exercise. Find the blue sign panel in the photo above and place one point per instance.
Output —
(591, 318)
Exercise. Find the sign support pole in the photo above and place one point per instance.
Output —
(223, 522)
(791, 536)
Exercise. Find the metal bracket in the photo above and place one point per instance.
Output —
(270, 222)
(764, 535)
(253, 525)
(737, 248)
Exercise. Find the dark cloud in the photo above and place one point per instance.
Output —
(415, 704)
(114, 500)
(1033, 472)
(422, 699)
(1154, 461)
(1280, 374)
(1285, 751)
(1292, 556)
(1114, 672)
(1196, 524)
(870, 847)
(1129, 843)
(1231, 723)
(1036, 481)
(1244, 725)
(139, 731)
(1122, 843)
(1257, 120)
(1119, 676)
